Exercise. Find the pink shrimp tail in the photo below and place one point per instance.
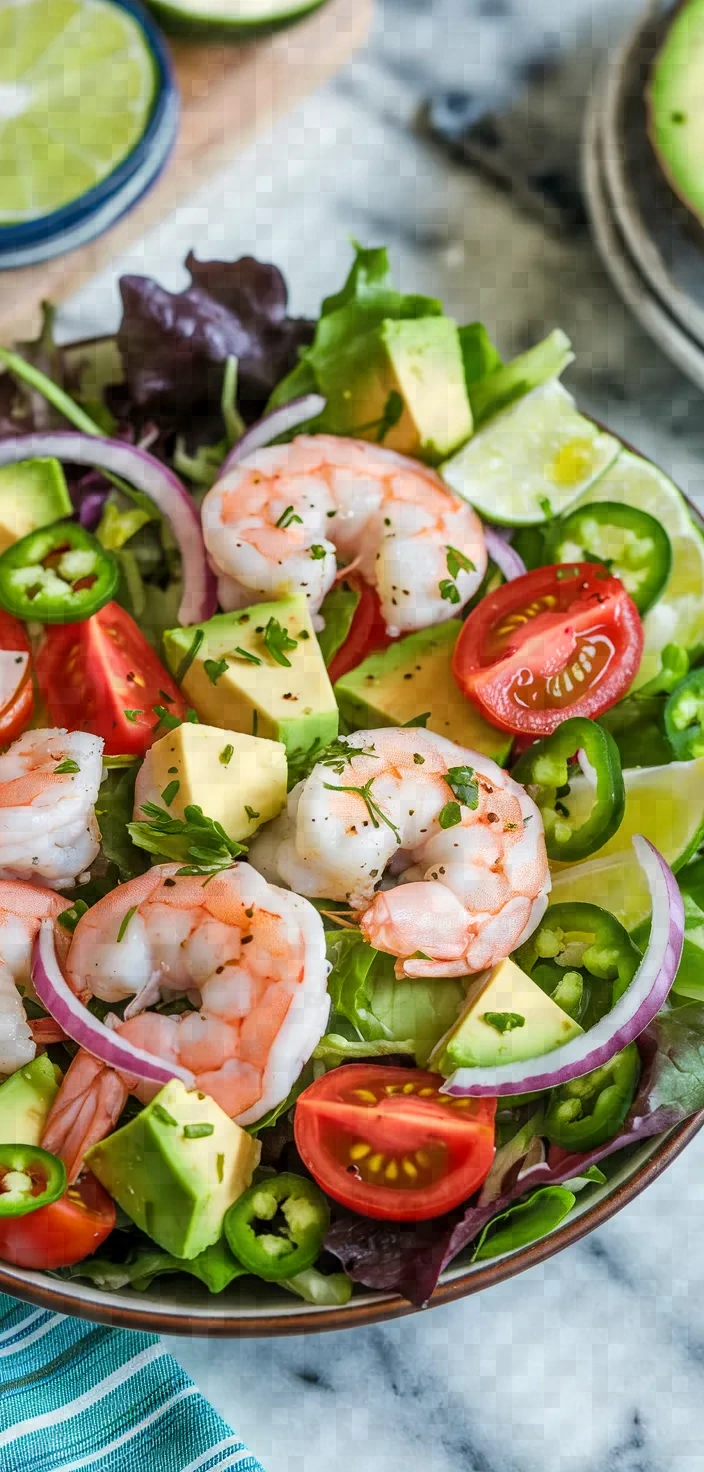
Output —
(87, 1107)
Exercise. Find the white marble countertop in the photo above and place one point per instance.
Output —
(595, 1361)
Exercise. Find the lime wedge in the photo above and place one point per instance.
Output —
(248, 16)
(532, 461)
(77, 84)
(678, 615)
(616, 883)
(666, 804)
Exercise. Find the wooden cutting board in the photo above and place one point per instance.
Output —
(229, 93)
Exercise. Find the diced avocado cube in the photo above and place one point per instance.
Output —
(420, 361)
(25, 1100)
(173, 1178)
(507, 1019)
(253, 692)
(238, 780)
(414, 677)
(33, 493)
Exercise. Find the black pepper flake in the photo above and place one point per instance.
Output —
(246, 939)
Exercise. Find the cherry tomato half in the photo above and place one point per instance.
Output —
(367, 631)
(557, 642)
(65, 1232)
(101, 675)
(386, 1143)
(16, 694)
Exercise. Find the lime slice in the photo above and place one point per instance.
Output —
(678, 615)
(77, 84)
(616, 883)
(243, 16)
(666, 804)
(532, 461)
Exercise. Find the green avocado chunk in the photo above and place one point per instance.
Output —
(235, 680)
(420, 362)
(507, 1018)
(25, 1100)
(413, 678)
(33, 493)
(676, 105)
(176, 1168)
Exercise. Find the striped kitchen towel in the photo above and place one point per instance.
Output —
(77, 1395)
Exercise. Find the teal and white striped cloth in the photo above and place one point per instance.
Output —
(82, 1396)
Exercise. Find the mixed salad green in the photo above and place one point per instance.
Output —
(352, 793)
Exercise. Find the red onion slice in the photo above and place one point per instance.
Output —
(280, 421)
(623, 1024)
(78, 1023)
(148, 475)
(502, 553)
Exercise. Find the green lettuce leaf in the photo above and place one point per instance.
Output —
(479, 355)
(216, 1267)
(525, 1223)
(500, 388)
(412, 1013)
(338, 609)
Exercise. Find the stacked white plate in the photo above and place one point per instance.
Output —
(651, 247)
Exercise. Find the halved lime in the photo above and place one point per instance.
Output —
(617, 883)
(77, 86)
(532, 461)
(678, 615)
(666, 804)
(242, 17)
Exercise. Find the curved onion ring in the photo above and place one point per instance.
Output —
(623, 1024)
(502, 553)
(280, 421)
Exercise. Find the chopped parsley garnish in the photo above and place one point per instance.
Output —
(125, 922)
(170, 793)
(166, 718)
(287, 518)
(246, 654)
(70, 918)
(450, 815)
(457, 561)
(462, 781)
(278, 641)
(251, 813)
(226, 755)
(66, 766)
(214, 668)
(131, 715)
(418, 759)
(503, 1021)
(376, 814)
(197, 842)
(421, 720)
(188, 657)
(198, 1131)
(338, 753)
(317, 552)
(163, 1115)
(449, 591)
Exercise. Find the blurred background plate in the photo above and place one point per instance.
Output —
(630, 282)
(664, 241)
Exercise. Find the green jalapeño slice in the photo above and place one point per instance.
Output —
(276, 1228)
(544, 769)
(58, 574)
(29, 1178)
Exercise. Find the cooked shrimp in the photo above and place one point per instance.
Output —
(250, 956)
(22, 908)
(49, 783)
(274, 524)
(474, 879)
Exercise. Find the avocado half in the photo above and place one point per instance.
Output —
(675, 103)
(234, 20)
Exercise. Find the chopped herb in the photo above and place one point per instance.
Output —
(418, 759)
(188, 657)
(66, 766)
(198, 1131)
(194, 840)
(462, 781)
(220, 1166)
(503, 1021)
(214, 668)
(457, 561)
(449, 591)
(317, 552)
(419, 720)
(450, 815)
(173, 771)
(287, 518)
(170, 792)
(166, 718)
(70, 918)
(251, 813)
(226, 755)
(163, 1115)
(131, 715)
(339, 753)
(376, 814)
(125, 922)
(192, 717)
(246, 654)
(278, 641)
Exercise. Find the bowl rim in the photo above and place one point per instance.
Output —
(366, 1311)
